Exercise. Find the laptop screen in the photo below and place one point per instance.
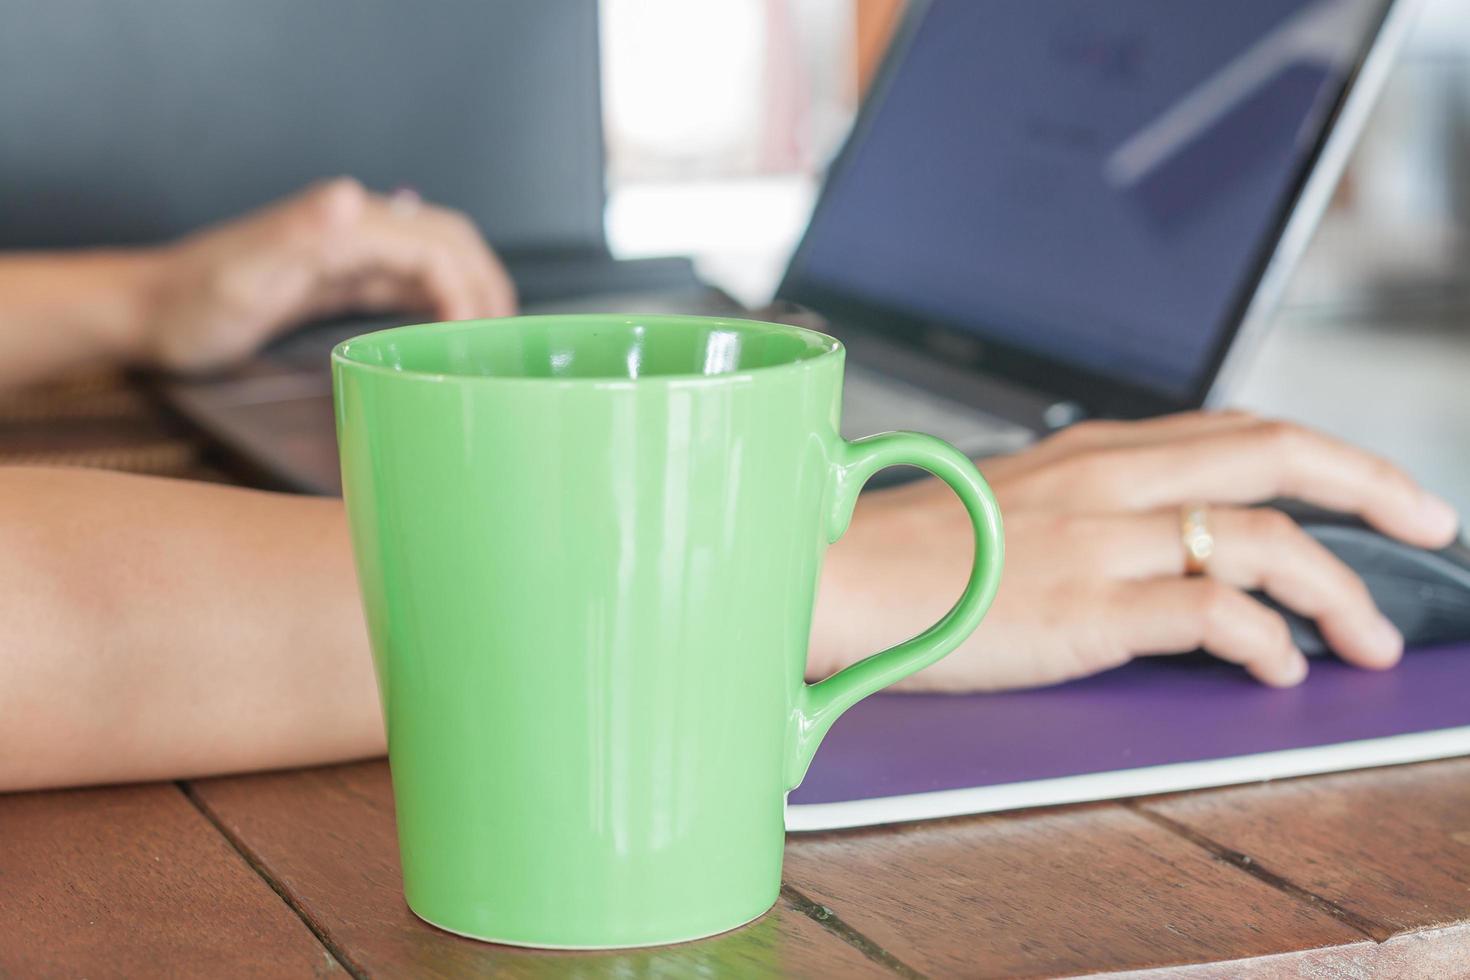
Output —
(1094, 184)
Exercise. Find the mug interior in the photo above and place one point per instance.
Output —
(592, 347)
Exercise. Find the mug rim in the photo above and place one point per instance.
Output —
(824, 345)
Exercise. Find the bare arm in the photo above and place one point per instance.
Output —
(1095, 570)
(158, 629)
(161, 629)
(215, 295)
(62, 310)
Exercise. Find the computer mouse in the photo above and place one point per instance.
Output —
(1425, 594)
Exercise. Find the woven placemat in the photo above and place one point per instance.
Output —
(93, 396)
(102, 420)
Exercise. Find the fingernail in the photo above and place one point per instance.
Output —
(1294, 671)
(1385, 640)
(1438, 517)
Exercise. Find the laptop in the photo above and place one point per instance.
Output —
(1043, 213)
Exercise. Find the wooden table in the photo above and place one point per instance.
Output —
(296, 873)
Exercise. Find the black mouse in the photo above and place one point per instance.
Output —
(1425, 594)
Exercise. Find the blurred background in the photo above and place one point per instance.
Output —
(1371, 342)
(719, 155)
(147, 119)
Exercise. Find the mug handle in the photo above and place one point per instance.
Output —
(819, 704)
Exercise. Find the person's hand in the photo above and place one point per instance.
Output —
(334, 248)
(1095, 564)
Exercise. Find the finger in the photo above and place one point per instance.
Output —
(489, 286)
(1264, 550)
(1147, 432)
(495, 290)
(1268, 551)
(1174, 615)
(317, 213)
(359, 254)
(390, 257)
(1264, 461)
(1112, 434)
(370, 293)
(443, 281)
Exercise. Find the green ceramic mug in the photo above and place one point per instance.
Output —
(588, 548)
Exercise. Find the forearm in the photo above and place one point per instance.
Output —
(160, 629)
(61, 310)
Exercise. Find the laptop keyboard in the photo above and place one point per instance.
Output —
(310, 348)
(874, 402)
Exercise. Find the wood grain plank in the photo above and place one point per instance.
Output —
(1389, 845)
(62, 402)
(1050, 892)
(98, 420)
(133, 882)
(326, 838)
(1437, 953)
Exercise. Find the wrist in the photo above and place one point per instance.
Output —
(111, 302)
(829, 647)
(125, 333)
(842, 631)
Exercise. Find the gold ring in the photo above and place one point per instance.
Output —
(1194, 532)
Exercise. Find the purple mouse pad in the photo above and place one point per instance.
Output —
(1157, 725)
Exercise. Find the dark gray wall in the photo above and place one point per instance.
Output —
(135, 120)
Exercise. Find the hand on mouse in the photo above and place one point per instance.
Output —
(1095, 566)
(333, 248)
